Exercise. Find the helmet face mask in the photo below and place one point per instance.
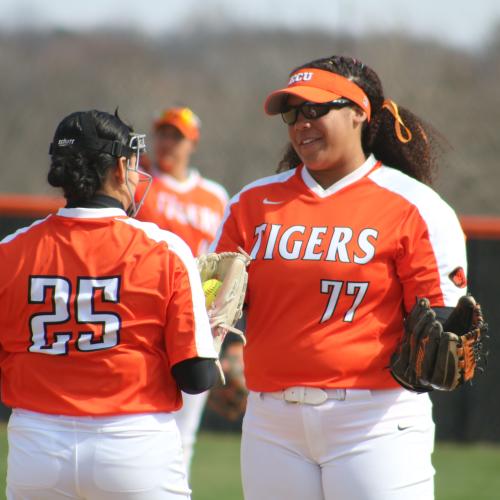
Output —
(137, 144)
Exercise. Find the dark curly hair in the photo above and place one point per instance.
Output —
(416, 158)
(79, 171)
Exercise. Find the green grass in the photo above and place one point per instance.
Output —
(215, 473)
(463, 472)
(467, 472)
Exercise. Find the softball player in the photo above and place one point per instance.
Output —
(102, 323)
(182, 201)
(343, 240)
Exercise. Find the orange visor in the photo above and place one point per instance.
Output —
(317, 85)
(182, 119)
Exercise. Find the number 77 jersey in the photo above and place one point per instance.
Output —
(334, 270)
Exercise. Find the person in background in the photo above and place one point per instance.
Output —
(184, 202)
(110, 324)
(228, 400)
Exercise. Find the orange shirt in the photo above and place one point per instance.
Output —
(333, 271)
(192, 209)
(96, 309)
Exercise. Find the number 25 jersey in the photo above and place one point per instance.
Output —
(335, 270)
(96, 309)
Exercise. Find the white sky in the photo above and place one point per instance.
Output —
(463, 23)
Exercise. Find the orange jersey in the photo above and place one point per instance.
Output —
(96, 309)
(333, 271)
(191, 209)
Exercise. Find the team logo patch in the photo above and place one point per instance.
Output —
(458, 277)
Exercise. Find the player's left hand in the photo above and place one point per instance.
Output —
(434, 356)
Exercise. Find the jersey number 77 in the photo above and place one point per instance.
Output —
(333, 288)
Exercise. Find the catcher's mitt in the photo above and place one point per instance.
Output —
(227, 307)
(434, 356)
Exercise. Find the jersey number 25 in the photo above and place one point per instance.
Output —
(84, 313)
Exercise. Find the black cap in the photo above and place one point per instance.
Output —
(88, 139)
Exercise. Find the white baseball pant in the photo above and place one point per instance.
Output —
(133, 457)
(366, 445)
(188, 420)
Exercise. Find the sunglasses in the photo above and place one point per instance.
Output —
(312, 110)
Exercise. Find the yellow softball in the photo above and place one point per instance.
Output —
(210, 288)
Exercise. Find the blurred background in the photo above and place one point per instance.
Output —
(441, 59)
(222, 57)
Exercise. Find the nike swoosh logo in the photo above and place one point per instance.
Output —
(270, 202)
(403, 428)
